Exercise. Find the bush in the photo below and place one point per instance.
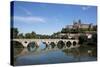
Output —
(82, 39)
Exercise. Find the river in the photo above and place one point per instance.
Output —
(44, 55)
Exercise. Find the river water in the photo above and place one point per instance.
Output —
(45, 55)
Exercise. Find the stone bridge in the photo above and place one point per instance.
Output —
(26, 42)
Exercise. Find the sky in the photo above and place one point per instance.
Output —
(47, 18)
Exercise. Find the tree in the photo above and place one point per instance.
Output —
(82, 39)
(74, 30)
(64, 37)
(55, 35)
(65, 30)
(27, 35)
(14, 32)
(94, 37)
(80, 30)
(89, 28)
(20, 35)
(95, 28)
(33, 34)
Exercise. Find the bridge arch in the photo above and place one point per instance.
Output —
(17, 44)
(46, 43)
(32, 44)
(68, 44)
(60, 44)
(52, 44)
(74, 43)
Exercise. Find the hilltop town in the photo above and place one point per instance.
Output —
(68, 32)
(77, 29)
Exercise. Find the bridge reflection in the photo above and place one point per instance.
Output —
(53, 53)
(37, 50)
(65, 52)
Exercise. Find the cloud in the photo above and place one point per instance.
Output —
(30, 19)
(85, 7)
(26, 11)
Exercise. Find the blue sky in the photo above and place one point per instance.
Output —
(45, 18)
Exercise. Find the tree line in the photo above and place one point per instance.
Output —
(15, 34)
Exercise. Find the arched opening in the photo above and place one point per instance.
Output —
(68, 44)
(25, 42)
(16, 47)
(52, 44)
(42, 45)
(16, 44)
(60, 44)
(32, 46)
(74, 43)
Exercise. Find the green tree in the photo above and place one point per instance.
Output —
(94, 37)
(89, 28)
(20, 35)
(55, 35)
(64, 37)
(65, 30)
(33, 34)
(82, 39)
(27, 35)
(74, 30)
(95, 28)
(14, 32)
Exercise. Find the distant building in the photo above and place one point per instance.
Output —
(69, 26)
(78, 24)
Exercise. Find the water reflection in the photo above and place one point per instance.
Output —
(73, 52)
(32, 46)
(53, 45)
(18, 47)
(42, 46)
(52, 54)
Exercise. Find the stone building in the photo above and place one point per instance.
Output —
(79, 25)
